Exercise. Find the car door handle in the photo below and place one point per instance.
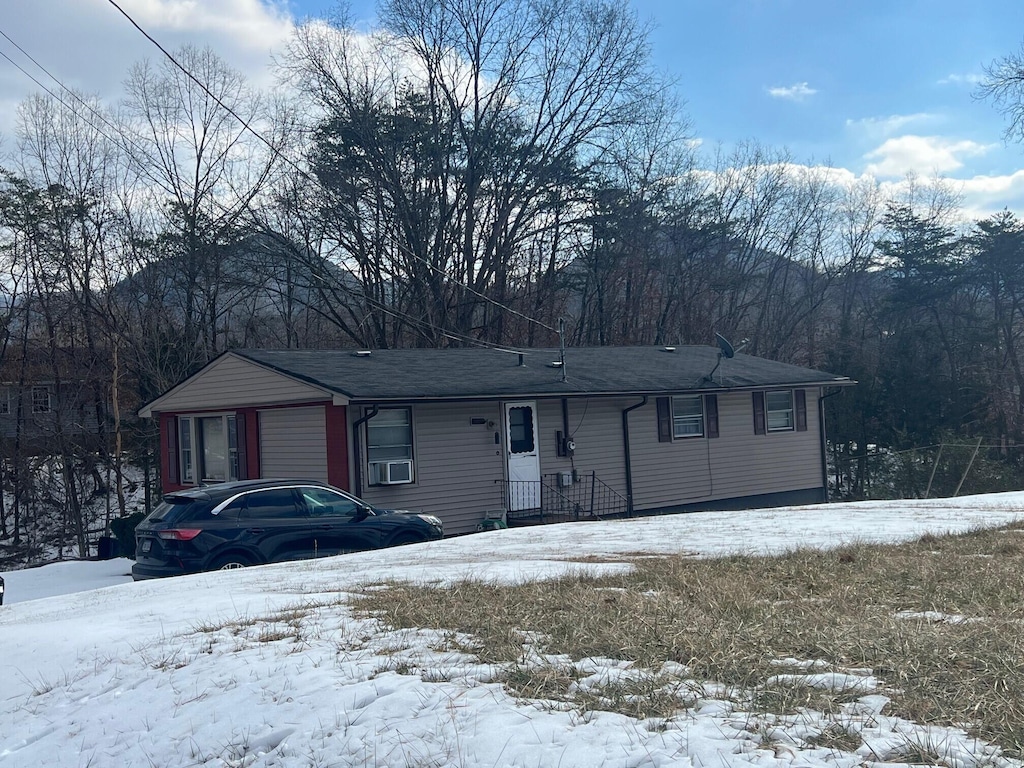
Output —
(325, 527)
(255, 530)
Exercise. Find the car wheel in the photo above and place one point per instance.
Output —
(230, 563)
(405, 538)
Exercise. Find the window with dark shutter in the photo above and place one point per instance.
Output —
(759, 423)
(800, 401)
(664, 420)
(711, 413)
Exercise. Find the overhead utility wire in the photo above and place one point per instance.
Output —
(124, 140)
(302, 171)
(201, 84)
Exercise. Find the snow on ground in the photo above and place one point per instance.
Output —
(221, 669)
(65, 578)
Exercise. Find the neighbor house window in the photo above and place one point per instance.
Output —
(779, 410)
(5, 402)
(688, 416)
(389, 446)
(208, 448)
(40, 399)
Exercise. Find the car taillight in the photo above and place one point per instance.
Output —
(179, 534)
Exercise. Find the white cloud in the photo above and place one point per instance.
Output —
(985, 195)
(979, 196)
(795, 92)
(883, 126)
(968, 79)
(88, 45)
(922, 155)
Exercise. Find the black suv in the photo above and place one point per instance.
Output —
(250, 522)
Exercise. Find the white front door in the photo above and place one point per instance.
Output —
(523, 455)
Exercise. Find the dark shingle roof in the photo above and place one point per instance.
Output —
(439, 374)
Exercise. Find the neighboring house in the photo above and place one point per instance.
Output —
(46, 417)
(470, 433)
(51, 401)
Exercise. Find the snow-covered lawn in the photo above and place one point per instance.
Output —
(269, 667)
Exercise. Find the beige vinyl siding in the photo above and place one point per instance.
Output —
(232, 382)
(596, 427)
(293, 443)
(738, 463)
(456, 464)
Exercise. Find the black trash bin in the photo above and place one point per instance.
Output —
(106, 548)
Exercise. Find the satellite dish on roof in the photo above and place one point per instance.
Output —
(725, 346)
(725, 351)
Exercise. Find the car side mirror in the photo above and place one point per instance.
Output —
(361, 514)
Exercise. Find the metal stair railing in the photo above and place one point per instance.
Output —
(548, 500)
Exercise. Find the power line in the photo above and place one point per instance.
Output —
(305, 174)
(129, 144)
(198, 82)
(421, 324)
(120, 138)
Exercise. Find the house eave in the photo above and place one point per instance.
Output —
(364, 400)
(328, 394)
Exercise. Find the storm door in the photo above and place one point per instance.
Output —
(523, 456)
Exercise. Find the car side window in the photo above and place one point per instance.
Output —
(233, 510)
(274, 503)
(324, 503)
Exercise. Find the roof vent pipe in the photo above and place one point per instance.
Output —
(522, 360)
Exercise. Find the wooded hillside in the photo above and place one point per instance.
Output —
(473, 173)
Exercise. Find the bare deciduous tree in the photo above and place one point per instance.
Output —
(201, 170)
(456, 138)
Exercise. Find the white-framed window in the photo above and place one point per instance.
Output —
(185, 454)
(779, 411)
(40, 399)
(688, 416)
(389, 447)
(208, 448)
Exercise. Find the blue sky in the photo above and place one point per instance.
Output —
(848, 71)
(835, 81)
(871, 87)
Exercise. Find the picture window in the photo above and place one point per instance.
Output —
(208, 448)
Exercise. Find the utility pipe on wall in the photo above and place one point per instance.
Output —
(625, 445)
(821, 436)
(357, 458)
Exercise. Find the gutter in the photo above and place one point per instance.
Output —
(821, 436)
(625, 445)
(549, 395)
(357, 459)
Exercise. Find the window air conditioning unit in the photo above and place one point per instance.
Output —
(393, 472)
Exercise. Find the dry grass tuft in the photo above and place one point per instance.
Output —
(792, 699)
(836, 736)
(936, 620)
